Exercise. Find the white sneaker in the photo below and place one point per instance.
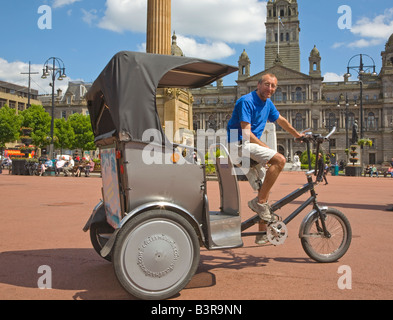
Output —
(256, 175)
(253, 179)
(261, 240)
(263, 210)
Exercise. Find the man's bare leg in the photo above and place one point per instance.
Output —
(277, 164)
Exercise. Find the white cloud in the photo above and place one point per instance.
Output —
(373, 32)
(63, 3)
(381, 27)
(11, 72)
(364, 43)
(233, 21)
(208, 50)
(215, 23)
(89, 16)
(125, 15)
(337, 45)
(333, 77)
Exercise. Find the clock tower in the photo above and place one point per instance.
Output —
(282, 34)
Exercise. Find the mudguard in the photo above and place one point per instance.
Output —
(307, 218)
(98, 215)
(106, 250)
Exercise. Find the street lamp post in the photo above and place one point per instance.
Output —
(346, 112)
(53, 67)
(361, 69)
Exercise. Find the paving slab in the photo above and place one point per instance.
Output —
(42, 220)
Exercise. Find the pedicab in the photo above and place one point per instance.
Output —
(154, 214)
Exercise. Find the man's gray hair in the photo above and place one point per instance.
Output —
(266, 75)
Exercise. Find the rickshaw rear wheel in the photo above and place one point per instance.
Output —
(100, 232)
(156, 254)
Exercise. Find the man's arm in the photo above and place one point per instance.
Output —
(288, 127)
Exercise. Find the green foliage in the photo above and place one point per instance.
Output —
(10, 124)
(217, 154)
(210, 166)
(64, 133)
(84, 137)
(304, 159)
(39, 120)
(74, 133)
(365, 142)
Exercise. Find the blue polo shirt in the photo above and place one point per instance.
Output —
(251, 109)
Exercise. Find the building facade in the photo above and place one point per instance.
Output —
(72, 101)
(17, 97)
(305, 99)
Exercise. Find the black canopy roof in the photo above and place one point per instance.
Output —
(123, 97)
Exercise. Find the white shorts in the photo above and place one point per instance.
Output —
(262, 155)
(258, 153)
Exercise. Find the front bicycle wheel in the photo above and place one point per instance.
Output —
(322, 248)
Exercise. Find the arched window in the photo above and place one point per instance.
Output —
(371, 121)
(299, 122)
(278, 96)
(351, 120)
(227, 118)
(332, 121)
(211, 123)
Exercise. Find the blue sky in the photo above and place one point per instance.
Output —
(85, 34)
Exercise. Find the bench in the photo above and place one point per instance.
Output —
(86, 169)
(381, 169)
(49, 172)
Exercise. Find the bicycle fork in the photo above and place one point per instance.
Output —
(322, 217)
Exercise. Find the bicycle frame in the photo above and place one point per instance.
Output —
(294, 195)
(286, 200)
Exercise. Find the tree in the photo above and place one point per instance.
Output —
(10, 124)
(64, 133)
(39, 120)
(304, 159)
(84, 137)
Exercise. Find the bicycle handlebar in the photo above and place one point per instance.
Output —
(309, 136)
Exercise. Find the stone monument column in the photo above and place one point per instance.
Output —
(174, 106)
(158, 39)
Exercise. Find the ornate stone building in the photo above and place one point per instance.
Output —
(72, 101)
(305, 99)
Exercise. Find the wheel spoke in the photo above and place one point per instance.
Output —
(327, 249)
